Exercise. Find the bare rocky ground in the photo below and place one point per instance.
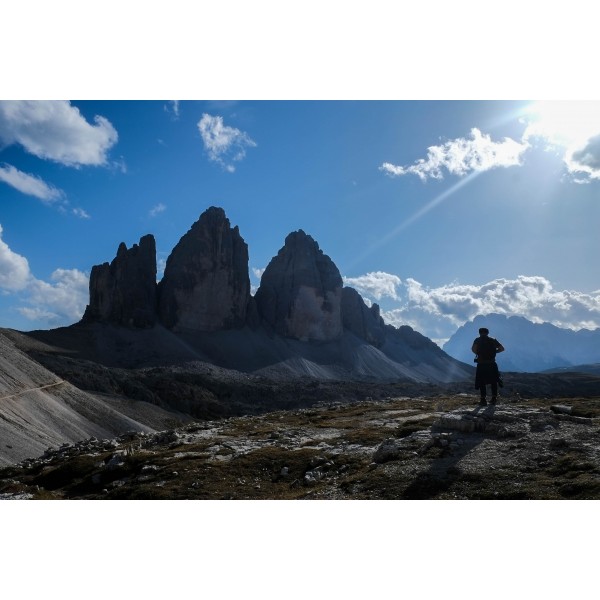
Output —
(436, 447)
(199, 431)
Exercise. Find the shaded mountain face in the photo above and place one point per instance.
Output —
(530, 347)
(361, 320)
(300, 292)
(206, 286)
(124, 291)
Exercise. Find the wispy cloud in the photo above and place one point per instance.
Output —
(462, 156)
(28, 184)
(156, 210)
(172, 108)
(223, 144)
(82, 214)
(31, 185)
(55, 130)
(118, 164)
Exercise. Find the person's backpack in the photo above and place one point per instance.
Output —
(486, 348)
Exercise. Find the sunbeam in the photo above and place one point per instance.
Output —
(414, 217)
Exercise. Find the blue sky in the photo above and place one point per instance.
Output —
(437, 210)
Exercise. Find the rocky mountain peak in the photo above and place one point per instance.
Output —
(206, 286)
(363, 321)
(300, 291)
(212, 216)
(299, 238)
(124, 291)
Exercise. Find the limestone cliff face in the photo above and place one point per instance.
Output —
(206, 286)
(124, 291)
(361, 320)
(300, 291)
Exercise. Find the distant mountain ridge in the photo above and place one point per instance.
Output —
(530, 347)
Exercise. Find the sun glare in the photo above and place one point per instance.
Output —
(564, 123)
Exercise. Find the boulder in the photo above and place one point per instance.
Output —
(300, 291)
(124, 291)
(206, 286)
(388, 450)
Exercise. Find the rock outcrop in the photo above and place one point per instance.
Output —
(124, 291)
(206, 286)
(300, 291)
(361, 320)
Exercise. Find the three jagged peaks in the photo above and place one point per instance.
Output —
(206, 287)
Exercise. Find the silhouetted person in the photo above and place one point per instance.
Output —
(486, 349)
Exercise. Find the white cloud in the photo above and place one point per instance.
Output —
(156, 210)
(571, 128)
(585, 160)
(532, 297)
(55, 130)
(438, 312)
(14, 268)
(60, 302)
(29, 184)
(161, 265)
(589, 155)
(222, 143)
(376, 284)
(462, 156)
(258, 273)
(82, 214)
